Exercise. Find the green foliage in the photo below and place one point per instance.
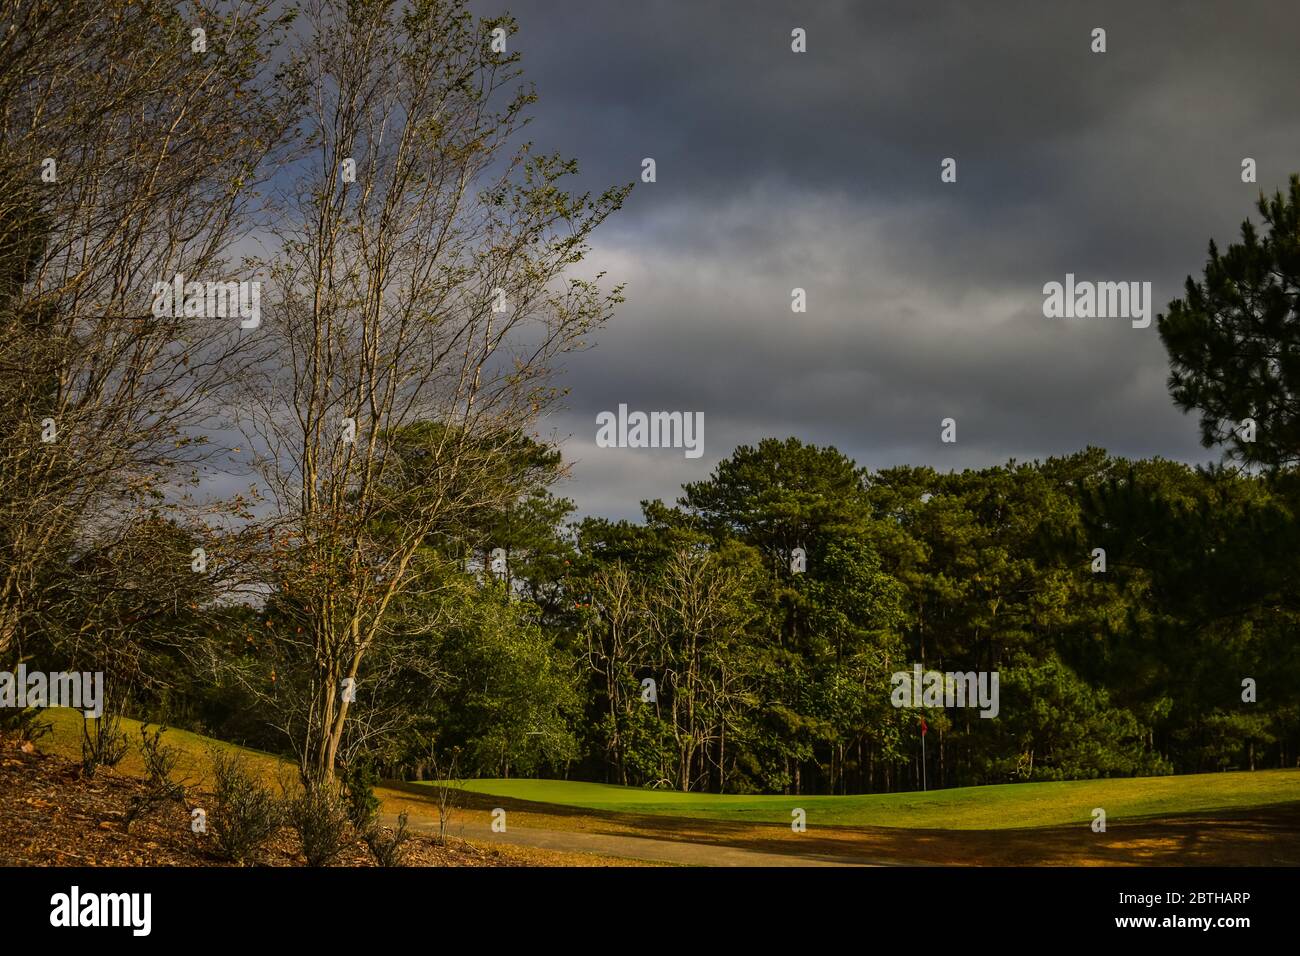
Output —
(1056, 727)
(769, 681)
(358, 782)
(510, 707)
(1234, 338)
(1227, 740)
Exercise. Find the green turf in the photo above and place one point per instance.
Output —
(968, 808)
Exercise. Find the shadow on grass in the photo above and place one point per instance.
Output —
(1260, 836)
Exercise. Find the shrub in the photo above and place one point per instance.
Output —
(159, 763)
(104, 746)
(245, 814)
(359, 795)
(388, 850)
(319, 815)
(387, 847)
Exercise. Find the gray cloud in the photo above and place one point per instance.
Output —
(821, 171)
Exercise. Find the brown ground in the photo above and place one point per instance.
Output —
(52, 816)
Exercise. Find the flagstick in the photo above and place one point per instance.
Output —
(923, 783)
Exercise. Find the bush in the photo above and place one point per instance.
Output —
(319, 815)
(105, 746)
(359, 795)
(159, 762)
(245, 814)
(388, 850)
(362, 808)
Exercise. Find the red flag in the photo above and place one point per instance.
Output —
(924, 728)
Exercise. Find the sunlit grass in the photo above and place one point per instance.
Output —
(968, 808)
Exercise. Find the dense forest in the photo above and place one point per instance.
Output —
(1125, 661)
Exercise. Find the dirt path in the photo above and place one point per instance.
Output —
(626, 847)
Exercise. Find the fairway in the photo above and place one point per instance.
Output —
(1248, 818)
(1006, 806)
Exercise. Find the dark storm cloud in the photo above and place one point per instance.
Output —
(821, 170)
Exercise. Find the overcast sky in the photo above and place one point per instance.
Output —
(821, 170)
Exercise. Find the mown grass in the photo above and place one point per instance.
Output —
(1004, 806)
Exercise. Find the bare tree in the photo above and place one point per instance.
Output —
(619, 644)
(701, 609)
(421, 299)
(448, 788)
(132, 137)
